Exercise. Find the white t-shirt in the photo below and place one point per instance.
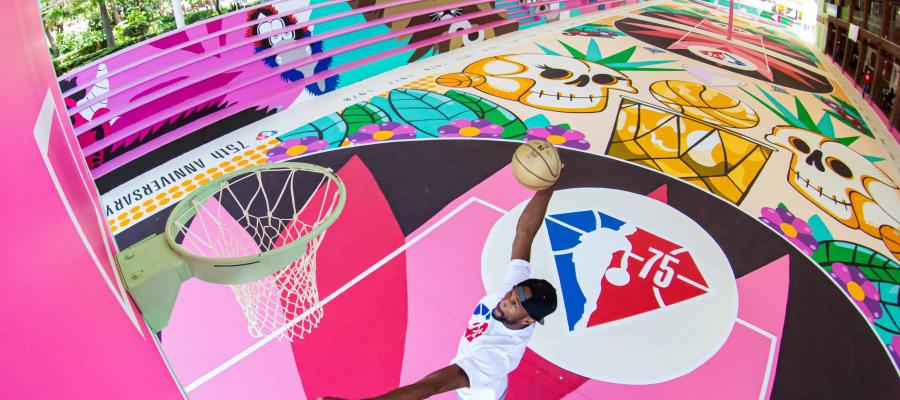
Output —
(488, 351)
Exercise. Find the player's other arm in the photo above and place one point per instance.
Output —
(529, 223)
(443, 380)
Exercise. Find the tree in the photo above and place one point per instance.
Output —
(115, 12)
(107, 25)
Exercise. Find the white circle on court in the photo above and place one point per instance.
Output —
(645, 348)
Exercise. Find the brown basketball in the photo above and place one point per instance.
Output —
(536, 164)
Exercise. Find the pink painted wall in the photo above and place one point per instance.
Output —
(69, 331)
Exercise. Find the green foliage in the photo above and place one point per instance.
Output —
(620, 61)
(427, 111)
(140, 20)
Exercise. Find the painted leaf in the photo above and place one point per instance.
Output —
(537, 121)
(825, 126)
(620, 57)
(593, 53)
(513, 127)
(573, 51)
(330, 128)
(874, 265)
(362, 114)
(427, 110)
(385, 106)
(804, 116)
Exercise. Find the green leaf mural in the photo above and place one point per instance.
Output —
(362, 114)
(427, 111)
(513, 127)
(874, 265)
(330, 128)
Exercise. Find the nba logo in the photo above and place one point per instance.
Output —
(610, 270)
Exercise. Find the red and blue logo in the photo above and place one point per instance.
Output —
(478, 323)
(610, 270)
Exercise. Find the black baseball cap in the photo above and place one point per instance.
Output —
(543, 299)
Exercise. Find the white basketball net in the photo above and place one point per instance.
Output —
(258, 212)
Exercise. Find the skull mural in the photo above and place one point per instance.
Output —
(547, 82)
(842, 183)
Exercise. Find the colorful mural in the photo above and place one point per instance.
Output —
(776, 170)
(249, 64)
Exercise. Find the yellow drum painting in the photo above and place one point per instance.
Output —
(704, 103)
(721, 161)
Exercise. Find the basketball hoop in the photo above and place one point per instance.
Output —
(257, 230)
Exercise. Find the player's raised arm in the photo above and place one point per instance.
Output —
(529, 223)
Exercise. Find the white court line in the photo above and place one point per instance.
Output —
(566, 225)
(692, 283)
(771, 360)
(369, 271)
(659, 300)
(688, 32)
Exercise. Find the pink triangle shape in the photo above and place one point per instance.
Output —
(660, 194)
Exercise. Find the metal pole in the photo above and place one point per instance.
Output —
(730, 18)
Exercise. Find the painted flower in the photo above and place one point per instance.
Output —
(469, 128)
(796, 230)
(894, 348)
(559, 136)
(384, 131)
(295, 147)
(861, 290)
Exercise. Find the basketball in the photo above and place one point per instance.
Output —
(536, 164)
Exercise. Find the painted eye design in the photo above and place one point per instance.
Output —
(264, 27)
(839, 167)
(554, 73)
(604, 79)
(277, 24)
(799, 144)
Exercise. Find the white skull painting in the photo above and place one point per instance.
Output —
(547, 82)
(842, 183)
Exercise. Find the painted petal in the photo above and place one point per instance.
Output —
(573, 135)
(448, 130)
(873, 308)
(388, 126)
(404, 129)
(538, 133)
(276, 151)
(461, 123)
(368, 129)
(481, 123)
(360, 138)
(492, 129)
(307, 140)
(317, 145)
(556, 130)
(578, 144)
(870, 290)
(786, 215)
(293, 142)
(771, 215)
(841, 273)
(403, 136)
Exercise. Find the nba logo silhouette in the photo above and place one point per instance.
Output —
(611, 270)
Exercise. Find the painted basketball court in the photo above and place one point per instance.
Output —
(688, 168)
